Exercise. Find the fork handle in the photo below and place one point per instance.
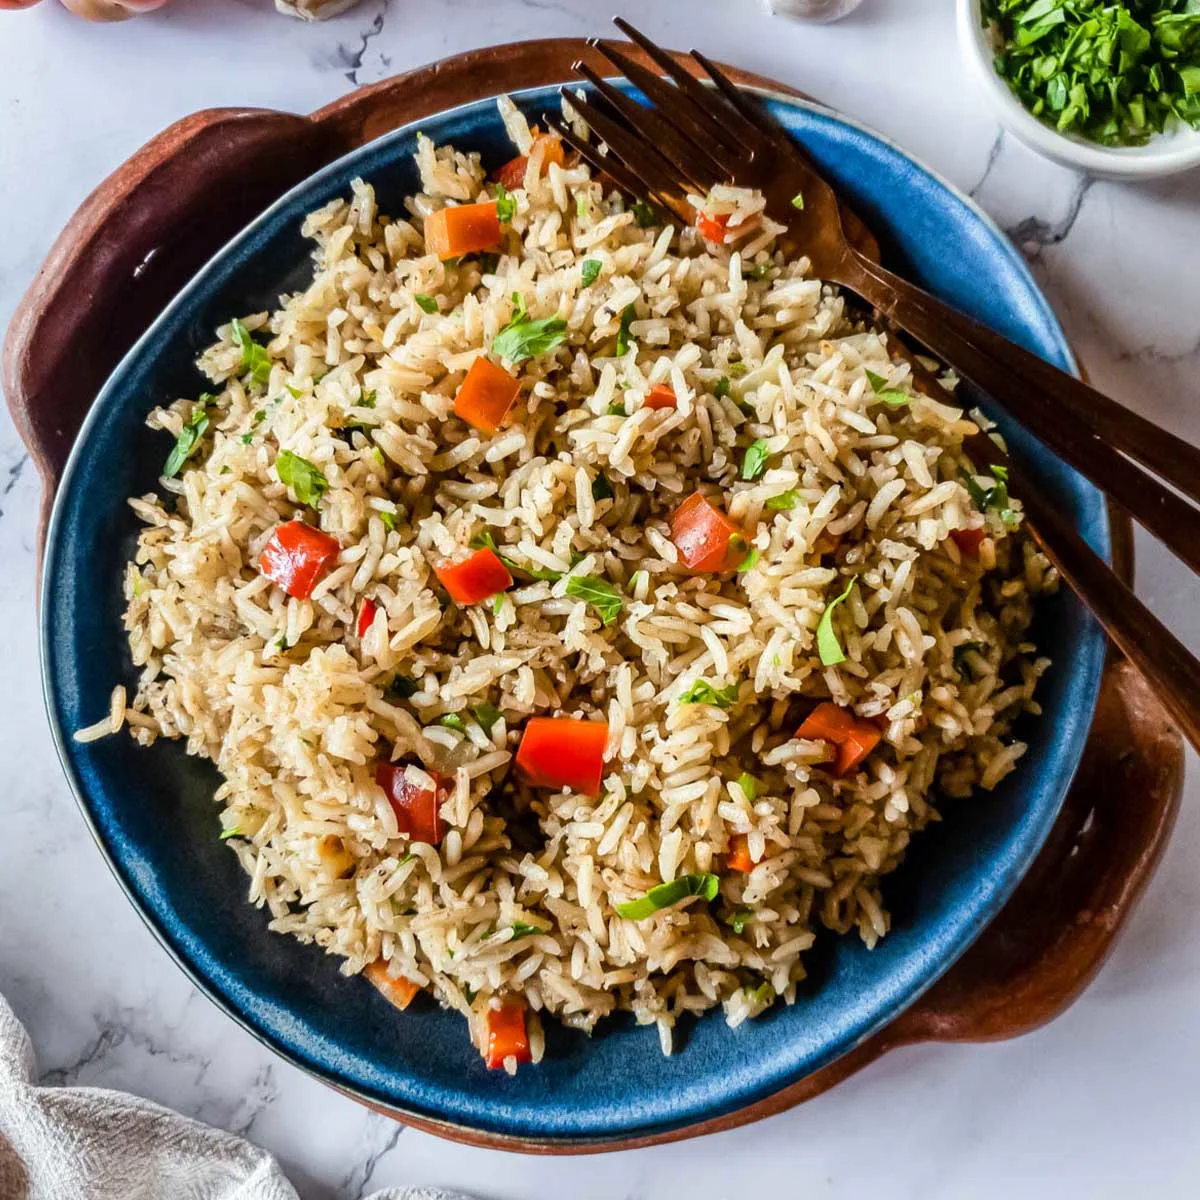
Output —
(1174, 521)
(1166, 664)
(1163, 452)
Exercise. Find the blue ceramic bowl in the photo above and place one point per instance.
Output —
(152, 810)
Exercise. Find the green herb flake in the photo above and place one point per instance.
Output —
(962, 668)
(589, 271)
(599, 593)
(400, 687)
(892, 397)
(487, 715)
(506, 206)
(522, 930)
(798, 201)
(755, 461)
(994, 497)
(737, 919)
(749, 786)
(426, 303)
(523, 338)
(737, 369)
(484, 539)
(721, 387)
(188, 441)
(627, 318)
(453, 721)
(497, 604)
(255, 359)
(583, 204)
(749, 562)
(616, 409)
(829, 649)
(388, 519)
(760, 270)
(764, 994)
(646, 215)
(666, 895)
(601, 488)
(235, 831)
(784, 502)
(703, 692)
(368, 401)
(302, 477)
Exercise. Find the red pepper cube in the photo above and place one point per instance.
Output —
(416, 806)
(487, 394)
(712, 228)
(366, 616)
(660, 397)
(852, 737)
(704, 535)
(968, 540)
(506, 1035)
(297, 556)
(559, 752)
(476, 578)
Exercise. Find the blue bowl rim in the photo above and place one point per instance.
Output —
(984, 914)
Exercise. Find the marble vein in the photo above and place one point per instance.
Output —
(352, 58)
(992, 158)
(355, 1185)
(11, 478)
(1034, 234)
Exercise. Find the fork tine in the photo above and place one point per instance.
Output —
(629, 145)
(673, 109)
(606, 164)
(696, 167)
(743, 135)
(751, 111)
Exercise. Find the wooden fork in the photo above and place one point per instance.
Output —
(693, 136)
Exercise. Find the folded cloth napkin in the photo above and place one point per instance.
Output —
(82, 1143)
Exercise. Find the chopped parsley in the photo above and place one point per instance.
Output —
(1112, 73)
(302, 477)
(524, 338)
(829, 649)
(497, 604)
(962, 668)
(623, 330)
(255, 360)
(995, 496)
(234, 831)
(487, 715)
(755, 462)
(646, 215)
(400, 687)
(749, 562)
(599, 593)
(784, 502)
(589, 271)
(892, 397)
(484, 539)
(760, 270)
(453, 721)
(522, 930)
(368, 401)
(426, 303)
(506, 206)
(601, 488)
(721, 387)
(388, 519)
(616, 409)
(703, 692)
(749, 786)
(798, 201)
(665, 895)
(188, 441)
(737, 919)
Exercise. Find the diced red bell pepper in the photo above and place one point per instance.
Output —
(477, 577)
(486, 395)
(968, 540)
(462, 229)
(396, 989)
(506, 1035)
(737, 858)
(512, 174)
(853, 737)
(297, 556)
(660, 397)
(559, 752)
(366, 616)
(704, 535)
(416, 807)
(715, 228)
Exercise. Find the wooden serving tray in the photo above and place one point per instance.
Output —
(151, 224)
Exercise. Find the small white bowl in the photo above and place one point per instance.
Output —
(1164, 154)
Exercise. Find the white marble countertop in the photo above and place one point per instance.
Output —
(1103, 1103)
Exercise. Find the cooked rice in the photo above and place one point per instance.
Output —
(293, 708)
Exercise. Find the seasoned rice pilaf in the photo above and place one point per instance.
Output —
(682, 498)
